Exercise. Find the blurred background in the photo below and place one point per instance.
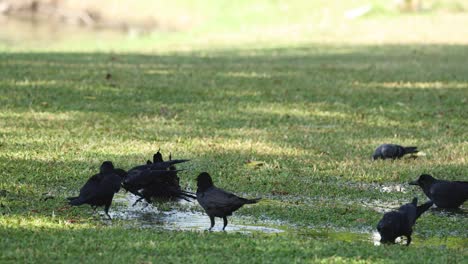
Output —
(155, 25)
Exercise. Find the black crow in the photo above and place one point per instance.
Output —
(217, 202)
(157, 157)
(99, 190)
(444, 194)
(157, 164)
(159, 184)
(157, 179)
(165, 165)
(400, 223)
(391, 151)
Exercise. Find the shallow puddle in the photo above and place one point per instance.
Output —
(182, 216)
(381, 206)
(459, 212)
(387, 188)
(145, 215)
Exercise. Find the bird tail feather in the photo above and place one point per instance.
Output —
(76, 201)
(409, 150)
(252, 201)
(173, 162)
(185, 195)
(423, 208)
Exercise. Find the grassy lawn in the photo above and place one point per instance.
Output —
(311, 109)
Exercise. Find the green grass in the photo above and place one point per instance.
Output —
(113, 245)
(312, 114)
(311, 104)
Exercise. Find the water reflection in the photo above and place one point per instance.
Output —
(184, 219)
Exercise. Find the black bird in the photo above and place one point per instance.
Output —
(99, 190)
(217, 202)
(400, 223)
(157, 164)
(160, 184)
(445, 194)
(157, 179)
(392, 151)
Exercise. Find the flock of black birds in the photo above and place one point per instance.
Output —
(157, 180)
(444, 194)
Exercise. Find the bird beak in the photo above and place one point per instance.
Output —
(413, 183)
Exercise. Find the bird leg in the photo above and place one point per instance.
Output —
(137, 201)
(106, 210)
(148, 202)
(212, 220)
(409, 240)
(225, 222)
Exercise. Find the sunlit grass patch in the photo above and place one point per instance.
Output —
(42, 222)
(422, 85)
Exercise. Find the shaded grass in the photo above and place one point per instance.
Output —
(58, 242)
(312, 114)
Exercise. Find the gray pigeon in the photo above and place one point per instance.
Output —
(217, 202)
(392, 151)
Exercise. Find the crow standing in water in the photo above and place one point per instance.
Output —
(99, 190)
(391, 151)
(400, 223)
(159, 184)
(157, 179)
(217, 202)
(444, 194)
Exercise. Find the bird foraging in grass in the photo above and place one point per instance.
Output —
(445, 194)
(400, 223)
(99, 190)
(392, 151)
(217, 202)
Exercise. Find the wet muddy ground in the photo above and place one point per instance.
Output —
(186, 216)
(183, 218)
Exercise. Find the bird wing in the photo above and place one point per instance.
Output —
(410, 212)
(166, 164)
(219, 198)
(146, 177)
(100, 185)
(140, 168)
(389, 150)
(112, 182)
(447, 193)
(90, 188)
(423, 208)
(137, 177)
